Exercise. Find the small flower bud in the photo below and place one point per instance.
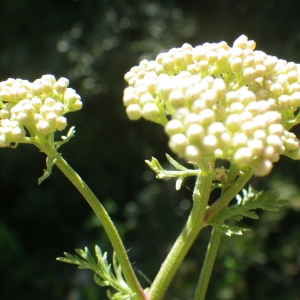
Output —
(233, 123)
(240, 42)
(291, 144)
(203, 66)
(295, 100)
(61, 123)
(269, 153)
(150, 112)
(192, 153)
(209, 144)
(206, 117)
(236, 108)
(294, 87)
(239, 140)
(232, 97)
(284, 102)
(168, 64)
(260, 134)
(176, 98)
(129, 75)
(276, 129)
(146, 98)
(61, 85)
(199, 54)
(248, 74)
(18, 133)
(275, 142)
(130, 98)
(216, 129)
(174, 127)
(236, 65)
(43, 127)
(243, 156)
(3, 141)
(256, 147)
(51, 119)
(195, 133)
(134, 112)
(247, 128)
(36, 103)
(47, 87)
(211, 57)
(190, 119)
(262, 168)
(178, 143)
(260, 70)
(76, 106)
(198, 106)
(49, 101)
(210, 97)
(276, 89)
(58, 108)
(248, 62)
(49, 78)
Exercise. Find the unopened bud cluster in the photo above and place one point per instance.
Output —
(221, 102)
(35, 107)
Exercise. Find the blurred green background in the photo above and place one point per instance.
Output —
(94, 43)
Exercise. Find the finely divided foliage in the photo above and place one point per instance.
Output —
(215, 101)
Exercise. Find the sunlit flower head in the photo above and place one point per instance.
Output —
(30, 109)
(215, 101)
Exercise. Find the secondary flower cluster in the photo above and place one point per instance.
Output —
(216, 101)
(35, 107)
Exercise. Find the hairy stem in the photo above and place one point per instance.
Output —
(208, 264)
(228, 195)
(102, 215)
(186, 238)
(212, 249)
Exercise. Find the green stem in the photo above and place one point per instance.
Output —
(208, 264)
(187, 236)
(102, 215)
(212, 249)
(228, 195)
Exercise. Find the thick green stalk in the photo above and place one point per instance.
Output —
(186, 238)
(228, 195)
(212, 249)
(208, 264)
(102, 215)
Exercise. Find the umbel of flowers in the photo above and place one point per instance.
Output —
(32, 109)
(216, 101)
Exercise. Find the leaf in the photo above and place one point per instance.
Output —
(104, 276)
(175, 164)
(179, 183)
(230, 229)
(246, 206)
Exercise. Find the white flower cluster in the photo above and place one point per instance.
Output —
(232, 103)
(35, 107)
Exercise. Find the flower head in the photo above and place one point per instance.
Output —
(29, 109)
(215, 101)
